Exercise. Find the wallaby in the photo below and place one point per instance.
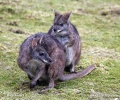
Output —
(55, 69)
(33, 60)
(67, 34)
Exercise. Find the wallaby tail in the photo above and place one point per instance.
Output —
(78, 74)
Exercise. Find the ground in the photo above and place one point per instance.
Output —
(98, 23)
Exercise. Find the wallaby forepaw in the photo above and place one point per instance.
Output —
(33, 84)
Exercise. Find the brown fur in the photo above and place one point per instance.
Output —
(52, 71)
(67, 34)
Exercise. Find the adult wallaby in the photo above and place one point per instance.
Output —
(33, 60)
(67, 34)
(55, 70)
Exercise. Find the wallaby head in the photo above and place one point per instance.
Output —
(61, 23)
(38, 52)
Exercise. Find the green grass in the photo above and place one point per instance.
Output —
(100, 36)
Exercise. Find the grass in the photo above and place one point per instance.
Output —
(98, 22)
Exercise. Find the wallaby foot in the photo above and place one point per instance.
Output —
(51, 85)
(44, 89)
(70, 68)
(33, 84)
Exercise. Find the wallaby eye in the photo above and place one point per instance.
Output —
(61, 24)
(41, 53)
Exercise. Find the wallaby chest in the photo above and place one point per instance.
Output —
(63, 39)
(69, 55)
(68, 50)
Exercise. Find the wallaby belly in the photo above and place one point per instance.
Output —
(69, 55)
(69, 50)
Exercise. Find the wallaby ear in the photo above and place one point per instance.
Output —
(56, 13)
(34, 42)
(67, 15)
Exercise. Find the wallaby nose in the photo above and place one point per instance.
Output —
(55, 30)
(50, 60)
